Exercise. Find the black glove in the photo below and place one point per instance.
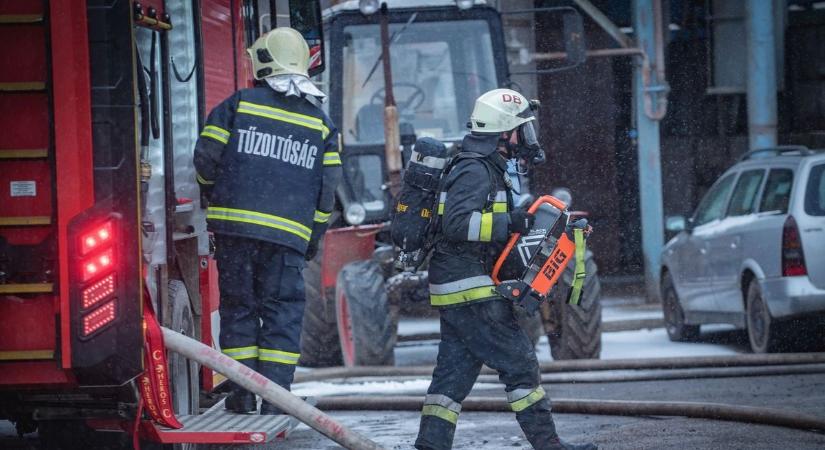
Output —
(521, 221)
(312, 250)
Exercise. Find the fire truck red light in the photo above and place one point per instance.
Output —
(91, 269)
(96, 237)
(105, 260)
(99, 291)
(98, 318)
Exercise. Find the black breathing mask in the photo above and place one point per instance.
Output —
(527, 151)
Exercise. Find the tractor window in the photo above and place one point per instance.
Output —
(438, 68)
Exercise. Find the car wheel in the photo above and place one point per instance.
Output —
(677, 329)
(761, 326)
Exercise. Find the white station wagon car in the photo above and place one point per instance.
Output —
(753, 253)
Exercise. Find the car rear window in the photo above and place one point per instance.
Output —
(743, 200)
(777, 193)
(815, 194)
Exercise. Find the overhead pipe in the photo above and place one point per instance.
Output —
(693, 410)
(271, 392)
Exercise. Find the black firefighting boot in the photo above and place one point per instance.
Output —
(560, 444)
(280, 374)
(240, 400)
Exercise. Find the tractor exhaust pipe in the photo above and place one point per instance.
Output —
(271, 392)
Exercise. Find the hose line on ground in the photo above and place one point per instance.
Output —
(271, 392)
(581, 365)
(694, 410)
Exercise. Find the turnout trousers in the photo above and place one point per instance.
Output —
(262, 305)
(480, 333)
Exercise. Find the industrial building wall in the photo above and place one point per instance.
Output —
(587, 125)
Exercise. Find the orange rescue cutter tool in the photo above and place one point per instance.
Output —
(531, 264)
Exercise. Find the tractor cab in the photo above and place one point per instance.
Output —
(442, 58)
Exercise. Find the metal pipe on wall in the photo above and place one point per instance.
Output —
(646, 85)
(760, 26)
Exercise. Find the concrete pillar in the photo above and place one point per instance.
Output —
(760, 26)
(650, 165)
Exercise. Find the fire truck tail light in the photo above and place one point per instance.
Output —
(99, 318)
(99, 291)
(95, 238)
(97, 265)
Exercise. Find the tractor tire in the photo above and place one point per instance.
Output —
(319, 333)
(367, 324)
(575, 331)
(531, 324)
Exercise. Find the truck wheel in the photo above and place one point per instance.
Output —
(319, 333)
(575, 331)
(183, 373)
(366, 324)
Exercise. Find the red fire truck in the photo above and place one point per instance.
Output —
(100, 105)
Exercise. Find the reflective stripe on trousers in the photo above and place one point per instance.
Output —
(240, 353)
(442, 407)
(521, 399)
(278, 356)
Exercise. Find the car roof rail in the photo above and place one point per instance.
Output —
(779, 150)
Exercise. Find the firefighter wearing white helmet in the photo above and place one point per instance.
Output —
(268, 164)
(478, 327)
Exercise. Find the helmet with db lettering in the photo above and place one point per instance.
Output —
(280, 51)
(504, 110)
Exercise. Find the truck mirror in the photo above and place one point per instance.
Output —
(305, 16)
(574, 45)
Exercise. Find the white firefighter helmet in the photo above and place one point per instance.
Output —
(278, 52)
(500, 110)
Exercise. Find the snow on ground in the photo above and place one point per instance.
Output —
(406, 387)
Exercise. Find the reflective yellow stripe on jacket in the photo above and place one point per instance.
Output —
(282, 115)
(257, 218)
(321, 217)
(332, 159)
(462, 291)
(216, 133)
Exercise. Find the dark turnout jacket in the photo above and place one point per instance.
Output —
(473, 228)
(269, 165)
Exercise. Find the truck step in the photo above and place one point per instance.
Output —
(22, 86)
(26, 288)
(24, 221)
(13, 19)
(23, 153)
(218, 426)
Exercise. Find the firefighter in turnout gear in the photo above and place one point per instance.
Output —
(268, 163)
(478, 326)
